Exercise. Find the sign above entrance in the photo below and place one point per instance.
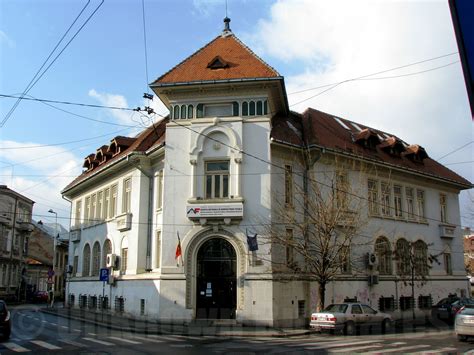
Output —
(217, 210)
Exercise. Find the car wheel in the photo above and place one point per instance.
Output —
(461, 337)
(386, 326)
(349, 328)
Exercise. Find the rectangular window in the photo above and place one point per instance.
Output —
(345, 259)
(75, 265)
(158, 250)
(87, 218)
(93, 208)
(289, 247)
(443, 208)
(100, 204)
(77, 216)
(127, 195)
(420, 198)
(386, 210)
(447, 264)
(301, 309)
(113, 201)
(159, 190)
(341, 190)
(397, 201)
(123, 260)
(425, 302)
(288, 185)
(106, 203)
(406, 302)
(217, 179)
(410, 202)
(373, 197)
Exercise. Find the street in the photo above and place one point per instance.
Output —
(34, 331)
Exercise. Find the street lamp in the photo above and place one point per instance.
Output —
(54, 255)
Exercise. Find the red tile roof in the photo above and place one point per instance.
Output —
(150, 137)
(237, 61)
(324, 130)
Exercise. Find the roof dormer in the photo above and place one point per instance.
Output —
(392, 145)
(90, 162)
(217, 63)
(415, 153)
(103, 154)
(120, 144)
(367, 138)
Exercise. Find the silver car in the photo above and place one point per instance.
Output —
(464, 323)
(348, 317)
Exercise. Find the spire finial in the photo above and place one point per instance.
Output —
(226, 25)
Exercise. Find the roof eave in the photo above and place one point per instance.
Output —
(220, 81)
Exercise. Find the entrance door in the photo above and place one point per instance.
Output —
(216, 296)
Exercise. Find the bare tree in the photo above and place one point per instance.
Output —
(316, 223)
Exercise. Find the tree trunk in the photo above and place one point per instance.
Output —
(321, 295)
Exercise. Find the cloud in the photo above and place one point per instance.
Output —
(205, 7)
(5, 39)
(106, 99)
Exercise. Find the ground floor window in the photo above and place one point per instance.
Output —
(406, 302)
(425, 302)
(386, 304)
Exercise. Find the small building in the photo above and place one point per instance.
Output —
(173, 212)
(15, 230)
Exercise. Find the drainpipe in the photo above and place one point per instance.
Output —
(69, 249)
(138, 164)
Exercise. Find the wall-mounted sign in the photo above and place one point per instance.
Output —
(216, 210)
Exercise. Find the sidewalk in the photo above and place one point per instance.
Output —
(197, 328)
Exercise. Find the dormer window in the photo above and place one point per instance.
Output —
(217, 63)
(392, 145)
(415, 153)
(367, 138)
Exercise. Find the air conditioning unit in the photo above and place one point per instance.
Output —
(372, 260)
(112, 261)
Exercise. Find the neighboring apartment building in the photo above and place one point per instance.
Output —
(15, 229)
(168, 211)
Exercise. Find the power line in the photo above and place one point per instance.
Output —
(33, 81)
(455, 150)
(145, 46)
(366, 77)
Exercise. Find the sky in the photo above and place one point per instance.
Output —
(320, 47)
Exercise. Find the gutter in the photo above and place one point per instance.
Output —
(222, 81)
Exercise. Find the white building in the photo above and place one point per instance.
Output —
(225, 162)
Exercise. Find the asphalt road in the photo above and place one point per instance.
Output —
(41, 333)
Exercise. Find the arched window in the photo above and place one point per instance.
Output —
(183, 111)
(403, 256)
(176, 112)
(245, 108)
(86, 260)
(420, 252)
(200, 111)
(107, 250)
(124, 256)
(95, 259)
(265, 107)
(252, 108)
(235, 108)
(384, 255)
(190, 111)
(259, 108)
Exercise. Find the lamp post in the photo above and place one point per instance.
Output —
(54, 256)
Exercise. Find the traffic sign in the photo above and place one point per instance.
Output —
(104, 274)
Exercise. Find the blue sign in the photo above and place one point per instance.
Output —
(104, 274)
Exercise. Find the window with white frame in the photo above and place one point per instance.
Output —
(113, 201)
(443, 208)
(75, 264)
(341, 190)
(217, 179)
(345, 259)
(107, 250)
(410, 202)
(397, 201)
(288, 185)
(420, 198)
(385, 205)
(127, 195)
(87, 217)
(94, 208)
(373, 197)
(77, 215)
(403, 254)
(96, 259)
(100, 204)
(86, 260)
(123, 260)
(158, 250)
(384, 255)
(447, 263)
(106, 203)
(159, 190)
(420, 251)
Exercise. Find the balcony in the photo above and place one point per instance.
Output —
(75, 235)
(447, 231)
(124, 222)
(26, 227)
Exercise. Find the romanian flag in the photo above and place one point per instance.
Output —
(178, 248)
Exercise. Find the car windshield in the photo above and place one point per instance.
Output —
(336, 308)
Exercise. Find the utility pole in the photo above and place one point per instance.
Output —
(54, 257)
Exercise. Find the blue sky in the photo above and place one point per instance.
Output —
(311, 43)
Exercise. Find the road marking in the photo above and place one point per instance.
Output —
(339, 344)
(181, 346)
(73, 343)
(15, 347)
(148, 339)
(397, 343)
(125, 340)
(76, 330)
(99, 341)
(45, 344)
(63, 326)
(356, 348)
(44, 321)
(413, 347)
(93, 334)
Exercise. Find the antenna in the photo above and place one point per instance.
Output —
(225, 8)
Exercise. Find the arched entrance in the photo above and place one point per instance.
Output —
(216, 280)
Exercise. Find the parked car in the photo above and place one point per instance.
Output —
(5, 325)
(348, 317)
(447, 308)
(40, 297)
(464, 323)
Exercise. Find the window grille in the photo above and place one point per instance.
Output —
(119, 304)
(92, 302)
(301, 309)
(425, 302)
(82, 301)
(142, 306)
(104, 302)
(71, 300)
(406, 303)
(387, 304)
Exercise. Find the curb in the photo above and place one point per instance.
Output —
(154, 330)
